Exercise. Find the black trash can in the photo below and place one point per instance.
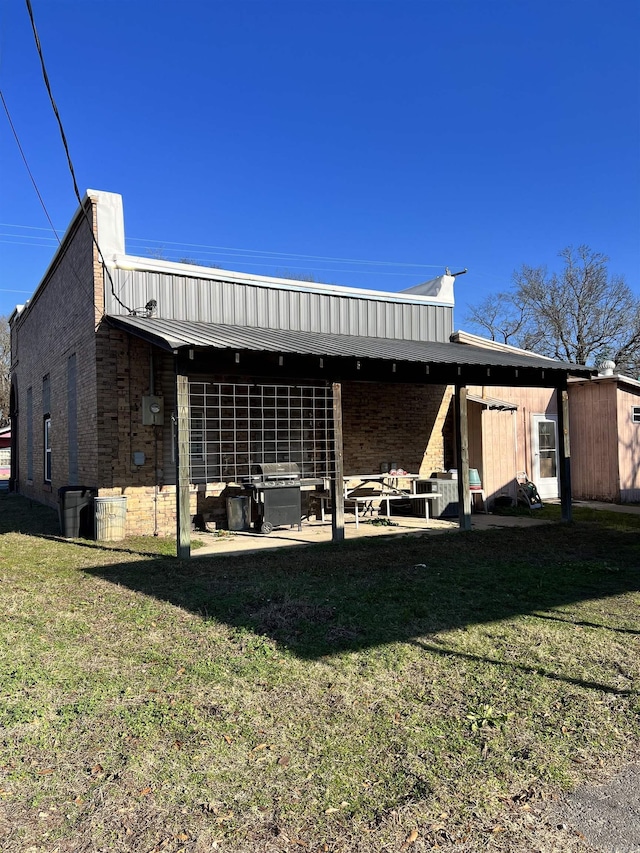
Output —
(75, 508)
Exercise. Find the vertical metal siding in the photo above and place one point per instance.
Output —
(210, 301)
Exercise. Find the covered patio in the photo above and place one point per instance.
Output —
(371, 369)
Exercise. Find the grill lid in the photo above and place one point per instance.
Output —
(278, 470)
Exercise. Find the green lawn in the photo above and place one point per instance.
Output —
(390, 693)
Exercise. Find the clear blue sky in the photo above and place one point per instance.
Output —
(482, 134)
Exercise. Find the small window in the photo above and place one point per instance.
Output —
(635, 414)
(47, 449)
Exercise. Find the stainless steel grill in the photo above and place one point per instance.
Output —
(275, 487)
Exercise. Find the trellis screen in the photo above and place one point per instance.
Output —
(234, 427)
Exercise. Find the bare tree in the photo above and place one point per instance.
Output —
(581, 314)
(5, 366)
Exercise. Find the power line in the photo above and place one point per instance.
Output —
(33, 245)
(44, 207)
(312, 269)
(29, 237)
(265, 253)
(234, 251)
(67, 152)
(33, 180)
(29, 227)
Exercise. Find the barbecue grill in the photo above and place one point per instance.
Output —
(275, 487)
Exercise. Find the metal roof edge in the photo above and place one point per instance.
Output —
(137, 263)
(467, 338)
(493, 403)
(178, 334)
(161, 340)
(618, 378)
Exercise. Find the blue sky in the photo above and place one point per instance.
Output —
(420, 135)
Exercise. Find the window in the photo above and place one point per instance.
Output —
(47, 449)
(635, 414)
(46, 430)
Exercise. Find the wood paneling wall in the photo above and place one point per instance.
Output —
(628, 445)
(504, 447)
(594, 441)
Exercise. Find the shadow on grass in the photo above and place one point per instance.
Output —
(331, 598)
(375, 592)
(520, 667)
(21, 515)
(588, 624)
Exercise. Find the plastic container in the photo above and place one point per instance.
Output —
(474, 479)
(238, 512)
(74, 511)
(111, 516)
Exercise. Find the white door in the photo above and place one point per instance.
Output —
(544, 441)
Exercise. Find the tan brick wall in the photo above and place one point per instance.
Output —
(58, 322)
(394, 423)
(124, 365)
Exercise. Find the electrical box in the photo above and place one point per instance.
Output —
(152, 410)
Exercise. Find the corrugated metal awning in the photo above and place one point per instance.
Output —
(174, 335)
(492, 403)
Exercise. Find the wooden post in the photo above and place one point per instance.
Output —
(337, 482)
(565, 452)
(462, 453)
(183, 508)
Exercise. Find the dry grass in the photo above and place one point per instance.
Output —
(338, 699)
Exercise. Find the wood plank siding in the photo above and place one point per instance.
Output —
(500, 442)
(628, 444)
(594, 441)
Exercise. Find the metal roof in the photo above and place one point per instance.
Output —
(176, 334)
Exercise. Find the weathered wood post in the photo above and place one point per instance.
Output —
(462, 453)
(183, 508)
(565, 452)
(337, 482)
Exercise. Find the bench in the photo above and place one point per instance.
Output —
(363, 505)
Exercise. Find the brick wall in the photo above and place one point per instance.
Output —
(383, 424)
(124, 368)
(59, 322)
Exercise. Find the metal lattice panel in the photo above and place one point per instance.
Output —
(235, 426)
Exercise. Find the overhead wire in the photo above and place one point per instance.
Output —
(265, 253)
(44, 207)
(24, 159)
(68, 153)
(234, 251)
(277, 261)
